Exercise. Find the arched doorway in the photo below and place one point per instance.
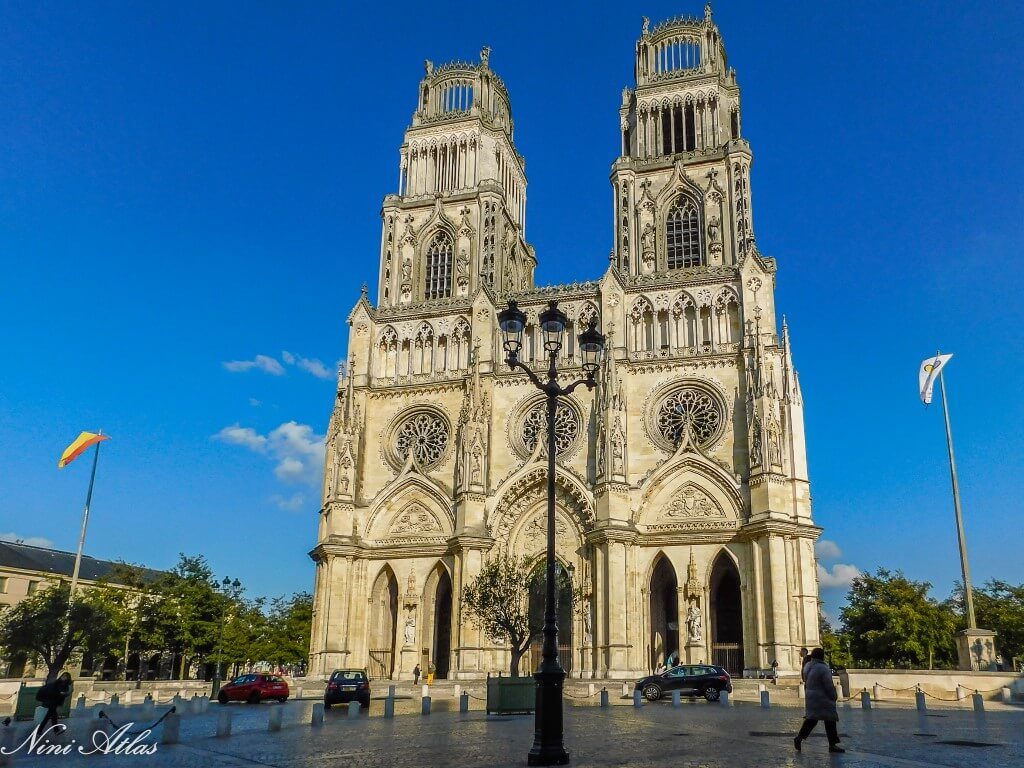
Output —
(383, 624)
(664, 629)
(726, 616)
(563, 595)
(438, 596)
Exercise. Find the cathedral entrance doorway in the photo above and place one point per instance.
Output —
(442, 640)
(564, 615)
(664, 629)
(383, 624)
(726, 616)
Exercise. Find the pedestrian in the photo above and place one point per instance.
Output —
(416, 675)
(805, 656)
(52, 696)
(819, 701)
(431, 671)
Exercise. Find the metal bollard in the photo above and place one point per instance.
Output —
(425, 691)
(195, 706)
(318, 715)
(876, 692)
(80, 705)
(604, 697)
(677, 699)
(979, 702)
(961, 692)
(172, 729)
(353, 710)
(1006, 695)
(922, 705)
(723, 699)
(625, 690)
(865, 699)
(591, 689)
(425, 705)
(463, 702)
(801, 691)
(115, 700)
(638, 698)
(458, 691)
(765, 699)
(389, 706)
(274, 723)
(223, 723)
(391, 691)
(147, 707)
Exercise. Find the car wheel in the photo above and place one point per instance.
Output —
(222, 697)
(652, 693)
(712, 694)
(282, 699)
(254, 698)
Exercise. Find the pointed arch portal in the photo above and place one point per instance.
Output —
(564, 614)
(664, 612)
(383, 624)
(726, 616)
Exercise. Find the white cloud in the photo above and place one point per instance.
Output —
(245, 436)
(32, 541)
(291, 504)
(260, 362)
(827, 550)
(254, 402)
(297, 450)
(315, 367)
(841, 575)
(288, 357)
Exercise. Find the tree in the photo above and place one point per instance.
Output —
(835, 644)
(290, 623)
(128, 598)
(892, 622)
(498, 601)
(189, 610)
(998, 606)
(39, 625)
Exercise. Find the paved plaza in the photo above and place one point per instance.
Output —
(696, 734)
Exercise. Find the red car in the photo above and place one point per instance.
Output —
(254, 688)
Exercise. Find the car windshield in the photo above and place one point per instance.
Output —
(244, 679)
(274, 679)
(348, 674)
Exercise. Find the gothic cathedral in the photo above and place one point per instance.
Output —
(683, 500)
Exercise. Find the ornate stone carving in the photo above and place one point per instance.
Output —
(414, 520)
(425, 436)
(691, 501)
(535, 427)
(694, 630)
(695, 406)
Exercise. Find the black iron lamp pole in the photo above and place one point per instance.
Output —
(548, 747)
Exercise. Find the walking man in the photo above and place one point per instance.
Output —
(52, 696)
(416, 675)
(820, 701)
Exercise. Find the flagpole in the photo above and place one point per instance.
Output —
(81, 536)
(968, 589)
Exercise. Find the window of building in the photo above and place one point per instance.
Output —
(33, 587)
(682, 235)
(3, 585)
(439, 267)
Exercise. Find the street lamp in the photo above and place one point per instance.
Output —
(226, 585)
(548, 748)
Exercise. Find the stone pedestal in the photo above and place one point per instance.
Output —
(976, 649)
(406, 662)
(696, 653)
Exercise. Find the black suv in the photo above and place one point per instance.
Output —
(348, 685)
(690, 680)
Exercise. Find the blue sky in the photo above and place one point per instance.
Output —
(184, 185)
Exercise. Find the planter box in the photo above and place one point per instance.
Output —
(511, 695)
(26, 706)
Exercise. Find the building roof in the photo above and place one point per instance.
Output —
(59, 563)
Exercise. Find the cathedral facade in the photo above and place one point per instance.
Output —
(683, 501)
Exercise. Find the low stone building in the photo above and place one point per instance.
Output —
(683, 500)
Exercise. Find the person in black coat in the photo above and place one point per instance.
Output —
(820, 698)
(52, 696)
(416, 675)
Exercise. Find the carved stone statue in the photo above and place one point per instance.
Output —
(618, 454)
(586, 622)
(428, 66)
(476, 469)
(774, 446)
(714, 230)
(693, 624)
(647, 239)
(410, 629)
(485, 55)
(407, 269)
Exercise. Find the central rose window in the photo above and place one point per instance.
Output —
(423, 434)
(689, 406)
(529, 424)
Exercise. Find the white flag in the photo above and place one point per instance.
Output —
(926, 377)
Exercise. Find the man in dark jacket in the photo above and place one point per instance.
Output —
(52, 696)
(819, 701)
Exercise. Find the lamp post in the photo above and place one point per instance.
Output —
(548, 748)
(226, 585)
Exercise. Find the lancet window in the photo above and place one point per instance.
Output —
(439, 267)
(682, 234)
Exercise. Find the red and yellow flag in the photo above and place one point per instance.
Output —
(82, 443)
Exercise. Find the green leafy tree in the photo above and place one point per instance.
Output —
(998, 606)
(892, 622)
(38, 625)
(498, 601)
(289, 625)
(128, 598)
(189, 610)
(836, 644)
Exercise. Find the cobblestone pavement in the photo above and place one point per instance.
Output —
(695, 735)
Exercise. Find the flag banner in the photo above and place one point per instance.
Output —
(929, 371)
(82, 443)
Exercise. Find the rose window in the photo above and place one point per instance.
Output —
(535, 427)
(425, 436)
(691, 406)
